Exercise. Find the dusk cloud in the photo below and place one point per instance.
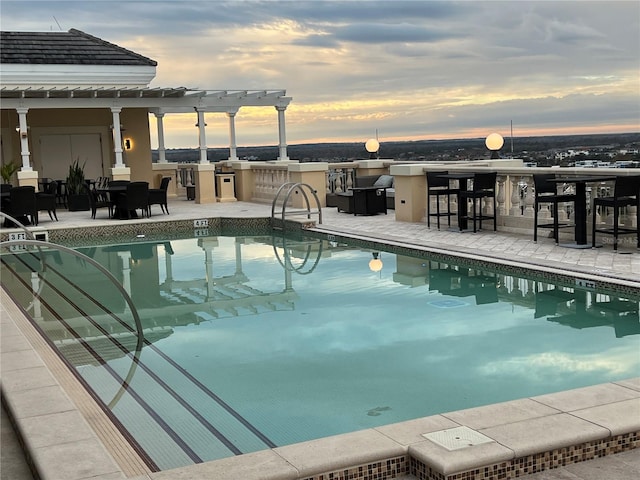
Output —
(411, 69)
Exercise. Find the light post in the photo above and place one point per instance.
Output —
(372, 146)
(494, 143)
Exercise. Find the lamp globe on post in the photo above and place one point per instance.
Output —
(375, 264)
(494, 143)
(372, 146)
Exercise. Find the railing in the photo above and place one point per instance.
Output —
(340, 177)
(185, 176)
(514, 194)
(268, 179)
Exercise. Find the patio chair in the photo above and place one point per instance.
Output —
(484, 186)
(547, 192)
(61, 193)
(135, 197)
(626, 193)
(98, 200)
(437, 186)
(23, 203)
(118, 183)
(158, 196)
(47, 200)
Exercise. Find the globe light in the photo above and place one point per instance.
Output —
(375, 264)
(494, 142)
(372, 146)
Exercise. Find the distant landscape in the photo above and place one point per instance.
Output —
(543, 151)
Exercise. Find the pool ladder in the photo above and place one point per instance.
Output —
(303, 189)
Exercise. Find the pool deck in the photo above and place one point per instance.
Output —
(67, 437)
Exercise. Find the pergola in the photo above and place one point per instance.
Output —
(159, 101)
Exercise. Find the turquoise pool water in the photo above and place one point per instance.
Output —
(252, 342)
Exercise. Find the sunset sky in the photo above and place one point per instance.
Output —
(411, 70)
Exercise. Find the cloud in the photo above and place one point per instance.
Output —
(613, 363)
(407, 68)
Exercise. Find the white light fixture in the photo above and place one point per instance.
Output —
(22, 133)
(494, 143)
(372, 146)
(375, 264)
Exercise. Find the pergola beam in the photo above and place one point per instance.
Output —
(174, 100)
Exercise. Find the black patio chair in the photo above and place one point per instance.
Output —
(626, 193)
(97, 200)
(484, 186)
(47, 199)
(547, 192)
(437, 186)
(23, 203)
(135, 197)
(61, 193)
(158, 196)
(118, 183)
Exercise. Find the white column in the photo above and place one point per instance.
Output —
(208, 267)
(117, 136)
(35, 286)
(24, 139)
(161, 150)
(233, 155)
(202, 137)
(125, 258)
(238, 257)
(282, 140)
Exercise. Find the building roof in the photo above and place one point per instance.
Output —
(69, 48)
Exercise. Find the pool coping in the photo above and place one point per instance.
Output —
(61, 442)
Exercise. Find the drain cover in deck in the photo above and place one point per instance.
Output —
(457, 438)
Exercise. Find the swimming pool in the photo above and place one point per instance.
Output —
(248, 346)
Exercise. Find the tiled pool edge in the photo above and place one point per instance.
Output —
(513, 267)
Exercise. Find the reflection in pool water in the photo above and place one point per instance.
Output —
(255, 341)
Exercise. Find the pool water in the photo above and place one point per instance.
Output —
(252, 342)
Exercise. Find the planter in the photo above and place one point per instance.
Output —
(78, 203)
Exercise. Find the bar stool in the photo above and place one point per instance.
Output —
(626, 193)
(547, 192)
(484, 186)
(437, 186)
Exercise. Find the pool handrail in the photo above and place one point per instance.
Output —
(292, 187)
(6, 216)
(287, 264)
(112, 279)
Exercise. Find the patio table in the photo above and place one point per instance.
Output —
(369, 200)
(462, 178)
(580, 182)
(113, 192)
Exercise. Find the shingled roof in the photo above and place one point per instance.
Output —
(72, 48)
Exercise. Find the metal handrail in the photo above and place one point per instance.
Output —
(17, 222)
(287, 264)
(113, 280)
(292, 186)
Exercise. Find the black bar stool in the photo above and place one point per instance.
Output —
(484, 186)
(547, 192)
(626, 193)
(437, 186)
